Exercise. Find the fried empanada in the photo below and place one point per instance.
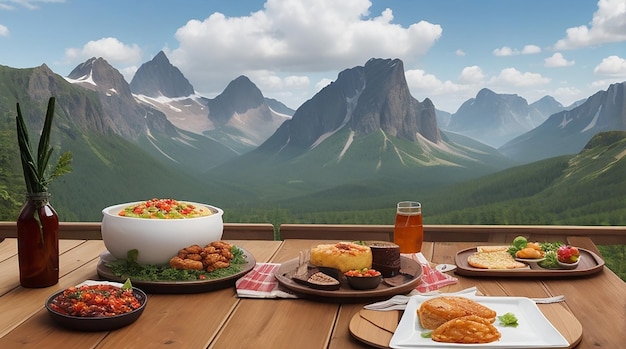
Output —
(469, 329)
(438, 310)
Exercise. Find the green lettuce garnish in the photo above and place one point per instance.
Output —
(508, 319)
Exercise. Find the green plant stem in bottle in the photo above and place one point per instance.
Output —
(38, 223)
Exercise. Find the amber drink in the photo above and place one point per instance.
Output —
(408, 231)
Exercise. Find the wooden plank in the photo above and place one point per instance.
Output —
(599, 235)
(91, 231)
(248, 231)
(348, 232)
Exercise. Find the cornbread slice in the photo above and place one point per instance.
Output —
(343, 256)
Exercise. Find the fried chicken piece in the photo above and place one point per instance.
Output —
(213, 256)
(193, 249)
(186, 264)
(221, 245)
(466, 330)
(218, 265)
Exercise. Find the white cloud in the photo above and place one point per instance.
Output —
(505, 51)
(322, 83)
(611, 66)
(472, 75)
(28, 4)
(508, 51)
(4, 31)
(567, 95)
(459, 52)
(513, 77)
(608, 25)
(291, 37)
(446, 95)
(531, 49)
(129, 72)
(111, 49)
(557, 60)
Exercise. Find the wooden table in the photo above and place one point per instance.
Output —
(221, 320)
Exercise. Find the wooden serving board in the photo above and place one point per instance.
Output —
(376, 328)
(590, 263)
(409, 279)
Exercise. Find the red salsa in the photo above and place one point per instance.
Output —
(95, 301)
(365, 272)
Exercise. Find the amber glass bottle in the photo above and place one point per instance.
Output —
(38, 242)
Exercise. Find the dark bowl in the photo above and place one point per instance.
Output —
(364, 282)
(97, 323)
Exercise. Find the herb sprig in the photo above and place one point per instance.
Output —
(35, 169)
(129, 268)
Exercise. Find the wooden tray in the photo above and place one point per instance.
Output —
(179, 287)
(376, 328)
(412, 269)
(590, 263)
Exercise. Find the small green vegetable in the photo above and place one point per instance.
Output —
(520, 242)
(508, 319)
(127, 285)
(426, 334)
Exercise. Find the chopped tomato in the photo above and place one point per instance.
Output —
(365, 272)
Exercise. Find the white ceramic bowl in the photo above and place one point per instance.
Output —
(157, 240)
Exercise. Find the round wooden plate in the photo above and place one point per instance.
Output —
(376, 328)
(411, 272)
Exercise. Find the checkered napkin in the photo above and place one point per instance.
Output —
(261, 282)
(432, 279)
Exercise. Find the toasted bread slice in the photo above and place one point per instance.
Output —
(494, 260)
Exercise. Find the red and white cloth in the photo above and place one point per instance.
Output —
(261, 282)
(432, 279)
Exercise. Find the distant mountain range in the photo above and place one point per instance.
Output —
(362, 135)
(494, 118)
(568, 131)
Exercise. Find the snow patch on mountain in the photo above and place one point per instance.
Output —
(352, 102)
(565, 121)
(88, 78)
(186, 113)
(593, 122)
(346, 146)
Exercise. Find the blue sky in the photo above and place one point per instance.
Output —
(292, 48)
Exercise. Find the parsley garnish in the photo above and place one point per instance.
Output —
(508, 319)
(129, 268)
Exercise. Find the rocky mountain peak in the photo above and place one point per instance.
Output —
(159, 77)
(386, 103)
(366, 99)
(121, 114)
(238, 97)
(98, 74)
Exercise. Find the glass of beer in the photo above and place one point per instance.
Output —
(408, 232)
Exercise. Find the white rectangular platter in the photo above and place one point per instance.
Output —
(533, 331)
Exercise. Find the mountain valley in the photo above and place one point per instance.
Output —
(346, 155)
